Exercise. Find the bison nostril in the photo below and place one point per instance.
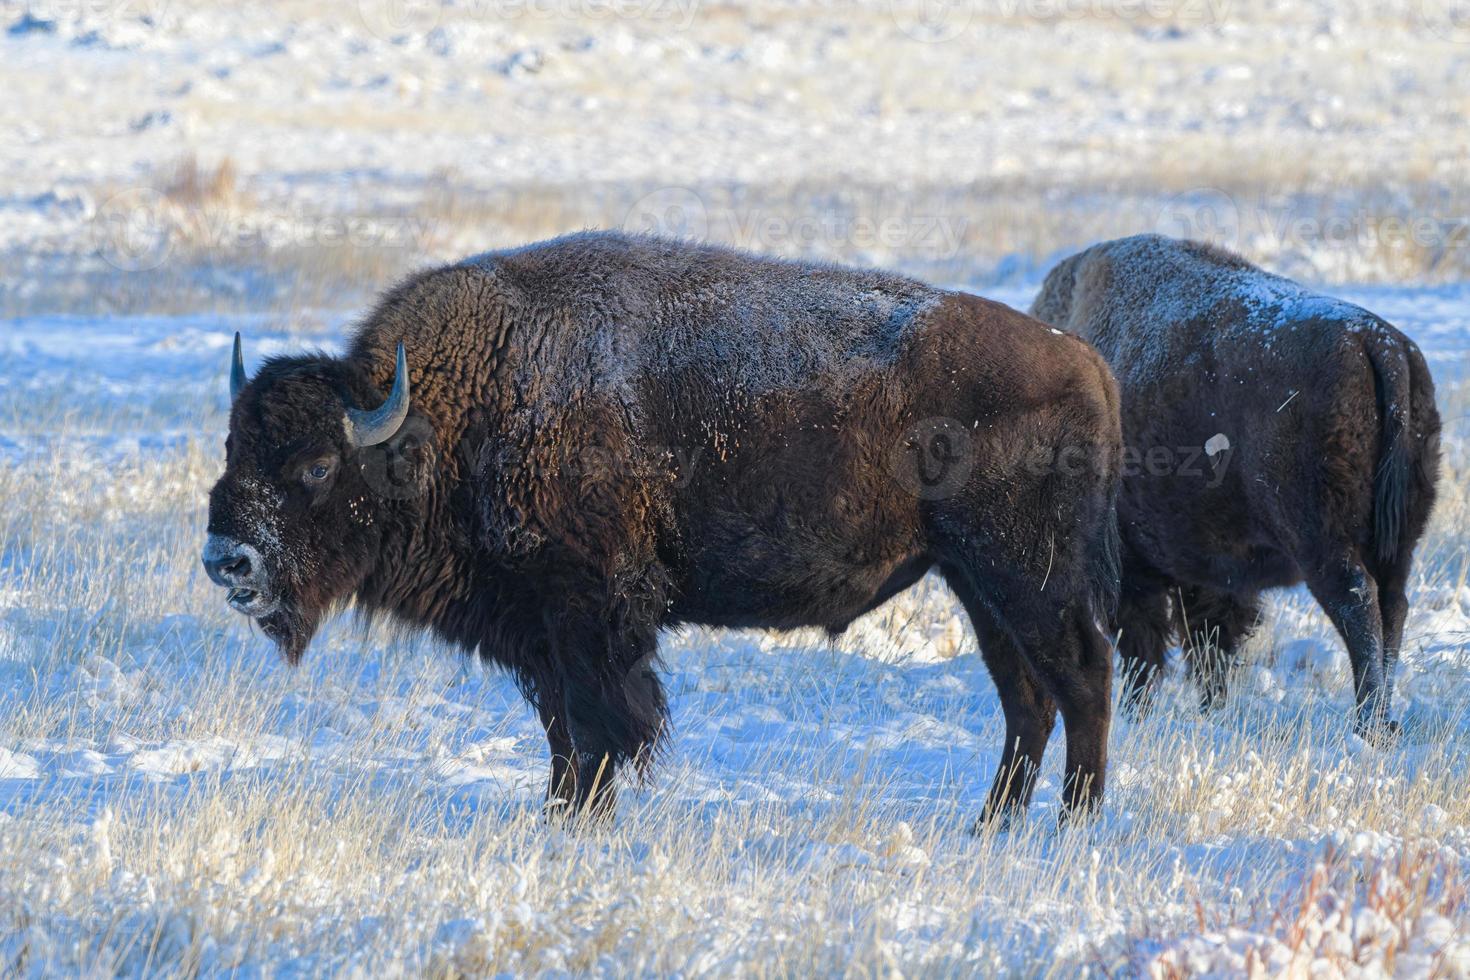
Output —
(230, 569)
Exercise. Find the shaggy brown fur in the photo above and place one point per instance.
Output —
(611, 435)
(1331, 467)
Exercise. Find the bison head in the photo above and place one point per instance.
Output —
(296, 522)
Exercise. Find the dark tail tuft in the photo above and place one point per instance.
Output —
(1106, 570)
(1391, 478)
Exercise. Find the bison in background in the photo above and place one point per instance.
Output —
(591, 439)
(1318, 424)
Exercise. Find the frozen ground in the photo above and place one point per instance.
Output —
(172, 799)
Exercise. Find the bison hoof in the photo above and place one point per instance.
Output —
(1381, 734)
(994, 824)
(999, 819)
(1081, 814)
(1210, 699)
(1137, 699)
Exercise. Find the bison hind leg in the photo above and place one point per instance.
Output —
(1393, 606)
(1046, 656)
(1030, 713)
(1348, 593)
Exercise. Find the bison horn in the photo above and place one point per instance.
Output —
(237, 371)
(379, 425)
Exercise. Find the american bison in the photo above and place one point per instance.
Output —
(1274, 436)
(549, 454)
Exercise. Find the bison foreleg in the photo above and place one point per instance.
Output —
(614, 707)
(561, 788)
(1142, 627)
(1213, 625)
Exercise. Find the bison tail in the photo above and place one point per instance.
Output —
(1391, 478)
(1106, 565)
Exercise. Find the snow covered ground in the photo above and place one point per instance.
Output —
(173, 800)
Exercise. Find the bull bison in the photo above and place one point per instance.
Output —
(588, 440)
(1316, 424)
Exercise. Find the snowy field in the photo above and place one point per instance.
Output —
(175, 801)
(172, 799)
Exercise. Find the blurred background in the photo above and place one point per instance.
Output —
(161, 156)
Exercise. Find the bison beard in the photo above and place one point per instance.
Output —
(291, 627)
(611, 435)
(289, 635)
(1330, 477)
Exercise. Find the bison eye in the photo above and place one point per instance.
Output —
(317, 473)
